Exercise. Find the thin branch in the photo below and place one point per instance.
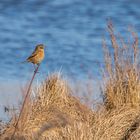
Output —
(24, 102)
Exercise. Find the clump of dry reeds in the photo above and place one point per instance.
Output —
(120, 115)
(122, 75)
(52, 109)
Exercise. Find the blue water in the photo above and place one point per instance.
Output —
(72, 30)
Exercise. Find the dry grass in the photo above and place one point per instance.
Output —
(122, 75)
(53, 109)
(54, 113)
(115, 124)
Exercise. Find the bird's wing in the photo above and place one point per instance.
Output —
(32, 55)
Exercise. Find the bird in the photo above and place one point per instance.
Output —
(37, 56)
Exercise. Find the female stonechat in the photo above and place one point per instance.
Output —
(37, 56)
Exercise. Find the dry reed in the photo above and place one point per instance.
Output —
(54, 113)
(53, 109)
(122, 75)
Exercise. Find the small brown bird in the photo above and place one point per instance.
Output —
(37, 56)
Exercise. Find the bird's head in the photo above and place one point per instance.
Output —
(40, 47)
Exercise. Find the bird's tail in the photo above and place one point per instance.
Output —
(24, 61)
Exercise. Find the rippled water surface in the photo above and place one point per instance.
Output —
(72, 30)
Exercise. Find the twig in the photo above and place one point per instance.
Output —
(24, 102)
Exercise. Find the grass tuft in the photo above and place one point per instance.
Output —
(122, 75)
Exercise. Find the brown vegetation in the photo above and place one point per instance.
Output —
(55, 114)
